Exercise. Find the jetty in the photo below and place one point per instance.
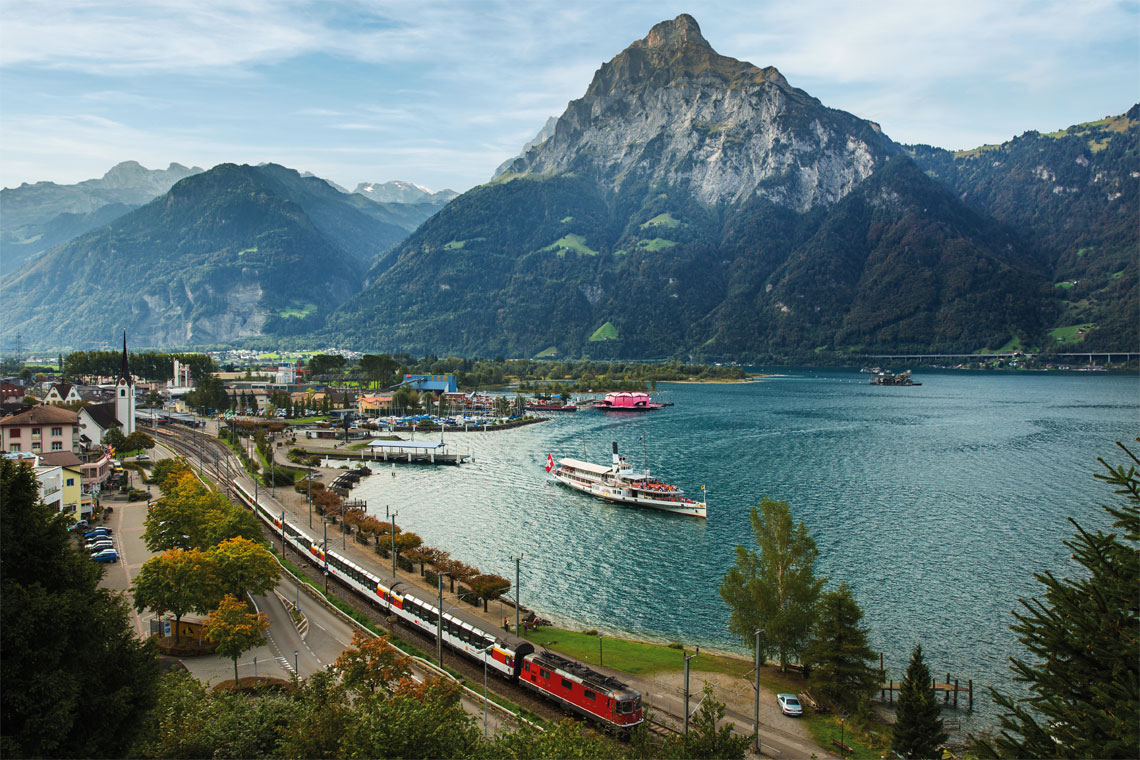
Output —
(412, 452)
(946, 688)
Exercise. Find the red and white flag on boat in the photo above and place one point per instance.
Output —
(549, 463)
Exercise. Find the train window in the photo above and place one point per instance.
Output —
(526, 666)
(567, 684)
(624, 707)
(544, 672)
(590, 695)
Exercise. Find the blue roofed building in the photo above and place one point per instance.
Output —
(431, 383)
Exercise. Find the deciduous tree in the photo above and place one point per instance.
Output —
(371, 665)
(918, 728)
(1083, 638)
(244, 567)
(841, 662)
(488, 587)
(708, 736)
(177, 581)
(776, 590)
(235, 629)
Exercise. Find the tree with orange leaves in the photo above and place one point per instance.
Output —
(235, 629)
(372, 664)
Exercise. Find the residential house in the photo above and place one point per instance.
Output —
(374, 406)
(75, 499)
(62, 394)
(40, 429)
(95, 420)
(11, 393)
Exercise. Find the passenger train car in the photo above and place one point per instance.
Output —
(571, 684)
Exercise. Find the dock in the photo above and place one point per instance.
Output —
(411, 452)
(947, 687)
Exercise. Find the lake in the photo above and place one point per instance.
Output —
(936, 504)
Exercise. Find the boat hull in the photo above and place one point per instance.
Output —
(617, 494)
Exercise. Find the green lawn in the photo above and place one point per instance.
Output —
(634, 657)
(547, 352)
(298, 310)
(656, 244)
(1069, 333)
(571, 242)
(1064, 285)
(605, 332)
(662, 220)
(824, 728)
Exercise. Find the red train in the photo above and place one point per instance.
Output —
(572, 684)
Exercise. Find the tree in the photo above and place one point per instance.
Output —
(76, 681)
(1083, 677)
(115, 439)
(379, 368)
(177, 581)
(166, 471)
(153, 399)
(371, 664)
(707, 739)
(842, 665)
(419, 720)
(567, 740)
(235, 629)
(190, 515)
(774, 592)
(918, 729)
(488, 587)
(326, 364)
(138, 441)
(244, 567)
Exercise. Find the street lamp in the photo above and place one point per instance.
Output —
(756, 686)
(601, 662)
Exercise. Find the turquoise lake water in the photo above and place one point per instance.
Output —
(936, 504)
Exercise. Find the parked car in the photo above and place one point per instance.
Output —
(142, 458)
(99, 544)
(79, 525)
(109, 555)
(790, 705)
(98, 532)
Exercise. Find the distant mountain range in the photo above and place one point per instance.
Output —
(37, 217)
(688, 204)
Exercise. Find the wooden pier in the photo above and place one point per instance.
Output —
(412, 452)
(947, 687)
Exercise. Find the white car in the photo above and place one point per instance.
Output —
(790, 705)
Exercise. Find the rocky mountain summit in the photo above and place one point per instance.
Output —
(670, 110)
(399, 191)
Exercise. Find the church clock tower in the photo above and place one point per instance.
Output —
(125, 395)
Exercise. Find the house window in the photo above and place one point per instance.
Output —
(57, 431)
(70, 482)
(35, 431)
(15, 433)
(35, 445)
(14, 447)
(57, 446)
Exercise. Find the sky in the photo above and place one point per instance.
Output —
(441, 92)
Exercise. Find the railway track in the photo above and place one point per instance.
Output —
(218, 463)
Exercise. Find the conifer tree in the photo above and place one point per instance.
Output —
(918, 728)
(841, 663)
(1083, 675)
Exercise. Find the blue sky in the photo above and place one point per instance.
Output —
(440, 93)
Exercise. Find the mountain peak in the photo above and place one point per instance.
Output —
(682, 31)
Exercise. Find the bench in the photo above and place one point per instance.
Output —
(842, 747)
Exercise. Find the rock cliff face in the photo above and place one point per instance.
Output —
(670, 110)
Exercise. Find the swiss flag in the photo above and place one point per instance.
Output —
(549, 463)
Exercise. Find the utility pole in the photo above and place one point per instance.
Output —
(518, 594)
(439, 622)
(283, 535)
(325, 554)
(309, 488)
(394, 547)
(687, 658)
(756, 686)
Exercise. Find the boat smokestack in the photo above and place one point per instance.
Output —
(617, 459)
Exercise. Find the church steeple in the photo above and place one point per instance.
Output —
(125, 372)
